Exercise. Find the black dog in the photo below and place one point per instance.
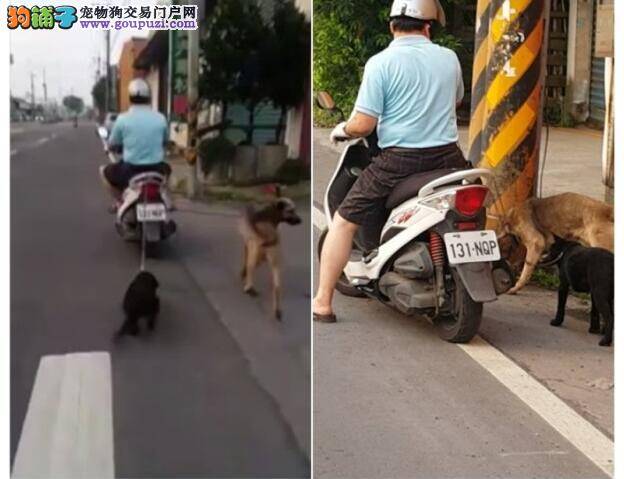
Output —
(587, 270)
(139, 302)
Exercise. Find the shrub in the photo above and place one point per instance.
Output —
(215, 150)
(346, 35)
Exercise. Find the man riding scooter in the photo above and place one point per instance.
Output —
(140, 135)
(409, 94)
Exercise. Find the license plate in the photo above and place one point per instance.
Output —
(471, 247)
(151, 212)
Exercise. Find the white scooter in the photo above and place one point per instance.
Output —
(144, 211)
(430, 253)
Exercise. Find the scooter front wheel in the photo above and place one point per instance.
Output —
(343, 284)
(462, 323)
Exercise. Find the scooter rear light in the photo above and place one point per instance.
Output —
(466, 225)
(468, 201)
(151, 192)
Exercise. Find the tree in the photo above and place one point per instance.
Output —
(98, 92)
(74, 104)
(287, 59)
(231, 62)
(346, 35)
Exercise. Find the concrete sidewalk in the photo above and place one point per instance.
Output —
(210, 249)
(212, 193)
(571, 158)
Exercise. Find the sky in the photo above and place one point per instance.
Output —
(69, 57)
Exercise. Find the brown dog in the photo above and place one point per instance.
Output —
(569, 216)
(259, 229)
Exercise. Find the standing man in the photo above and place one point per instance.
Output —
(409, 93)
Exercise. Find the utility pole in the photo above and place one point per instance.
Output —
(507, 97)
(45, 89)
(32, 92)
(192, 103)
(108, 82)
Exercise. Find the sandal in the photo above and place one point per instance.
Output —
(324, 318)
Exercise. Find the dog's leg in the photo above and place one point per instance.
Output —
(130, 326)
(151, 319)
(594, 317)
(253, 253)
(603, 304)
(245, 255)
(535, 249)
(273, 257)
(564, 289)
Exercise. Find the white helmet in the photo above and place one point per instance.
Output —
(138, 89)
(419, 9)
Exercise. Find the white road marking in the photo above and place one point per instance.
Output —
(68, 429)
(534, 453)
(45, 139)
(36, 144)
(577, 430)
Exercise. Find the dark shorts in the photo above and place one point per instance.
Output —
(365, 202)
(119, 174)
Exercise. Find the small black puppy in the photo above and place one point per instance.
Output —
(139, 302)
(587, 270)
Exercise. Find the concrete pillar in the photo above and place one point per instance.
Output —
(608, 142)
(508, 77)
(579, 56)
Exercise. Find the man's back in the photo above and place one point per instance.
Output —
(142, 132)
(412, 87)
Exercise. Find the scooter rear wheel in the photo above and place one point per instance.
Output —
(343, 284)
(462, 323)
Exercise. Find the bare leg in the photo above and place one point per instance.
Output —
(114, 192)
(334, 257)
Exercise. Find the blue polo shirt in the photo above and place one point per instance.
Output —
(142, 132)
(412, 88)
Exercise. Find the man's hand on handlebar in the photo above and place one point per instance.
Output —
(339, 133)
(360, 125)
(115, 149)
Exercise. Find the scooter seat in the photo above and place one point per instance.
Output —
(409, 187)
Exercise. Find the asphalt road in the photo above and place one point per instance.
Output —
(393, 400)
(190, 400)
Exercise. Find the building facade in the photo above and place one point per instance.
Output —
(127, 71)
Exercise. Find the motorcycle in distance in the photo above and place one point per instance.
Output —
(145, 206)
(430, 254)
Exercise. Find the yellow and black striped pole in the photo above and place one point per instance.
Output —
(506, 96)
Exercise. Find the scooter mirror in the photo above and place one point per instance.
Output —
(102, 132)
(325, 101)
